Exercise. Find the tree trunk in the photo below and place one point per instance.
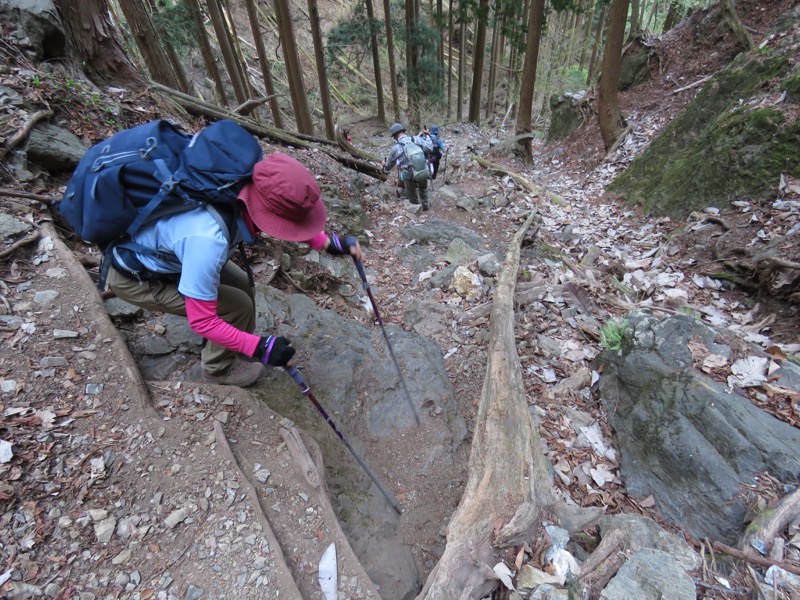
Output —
(493, 61)
(149, 45)
(207, 52)
(228, 55)
(263, 61)
(94, 42)
(636, 28)
(478, 57)
(506, 455)
(587, 30)
(294, 69)
(533, 40)
(672, 16)
(412, 80)
(319, 57)
(653, 15)
(462, 71)
(731, 19)
(387, 12)
(612, 123)
(376, 62)
(598, 40)
(450, 31)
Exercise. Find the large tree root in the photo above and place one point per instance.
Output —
(97, 309)
(508, 487)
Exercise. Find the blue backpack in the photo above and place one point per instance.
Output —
(147, 172)
(141, 174)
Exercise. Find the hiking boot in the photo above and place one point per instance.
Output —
(413, 201)
(241, 374)
(426, 207)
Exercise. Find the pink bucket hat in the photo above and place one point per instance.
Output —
(284, 199)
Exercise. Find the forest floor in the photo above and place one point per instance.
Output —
(185, 491)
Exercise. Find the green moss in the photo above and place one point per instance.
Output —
(792, 88)
(720, 148)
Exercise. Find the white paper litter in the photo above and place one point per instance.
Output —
(504, 574)
(748, 372)
(5, 451)
(327, 573)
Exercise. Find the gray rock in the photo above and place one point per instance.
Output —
(440, 232)
(650, 575)
(640, 533)
(460, 253)
(682, 436)
(35, 27)
(566, 116)
(45, 297)
(194, 593)
(54, 148)
(467, 203)
(180, 335)
(156, 345)
(488, 265)
(119, 308)
(53, 361)
(10, 226)
(444, 277)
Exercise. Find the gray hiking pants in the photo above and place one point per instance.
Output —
(417, 193)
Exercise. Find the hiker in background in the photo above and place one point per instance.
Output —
(194, 276)
(408, 153)
(439, 149)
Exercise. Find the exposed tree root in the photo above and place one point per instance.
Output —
(506, 455)
(521, 181)
(770, 523)
(106, 328)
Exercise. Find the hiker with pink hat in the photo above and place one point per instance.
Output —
(193, 276)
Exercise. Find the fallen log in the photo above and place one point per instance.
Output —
(508, 485)
(770, 523)
(278, 136)
(521, 181)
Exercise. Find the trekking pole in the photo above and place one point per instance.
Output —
(367, 289)
(298, 379)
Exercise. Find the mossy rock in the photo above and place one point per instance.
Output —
(733, 141)
(565, 117)
(634, 69)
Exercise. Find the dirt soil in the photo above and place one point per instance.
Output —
(120, 489)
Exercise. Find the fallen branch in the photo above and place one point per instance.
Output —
(32, 237)
(521, 181)
(690, 86)
(757, 560)
(278, 136)
(25, 131)
(770, 523)
(27, 195)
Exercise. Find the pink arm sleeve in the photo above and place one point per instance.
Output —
(204, 321)
(318, 241)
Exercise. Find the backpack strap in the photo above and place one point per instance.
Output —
(245, 233)
(168, 183)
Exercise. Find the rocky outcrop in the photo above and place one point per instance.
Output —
(733, 141)
(684, 438)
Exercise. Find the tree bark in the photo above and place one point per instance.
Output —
(294, 68)
(529, 76)
(376, 62)
(462, 71)
(478, 58)
(263, 62)
(207, 52)
(598, 40)
(322, 75)
(506, 455)
(387, 13)
(449, 57)
(94, 41)
(732, 21)
(590, 13)
(612, 122)
(497, 36)
(228, 54)
(149, 45)
(672, 16)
